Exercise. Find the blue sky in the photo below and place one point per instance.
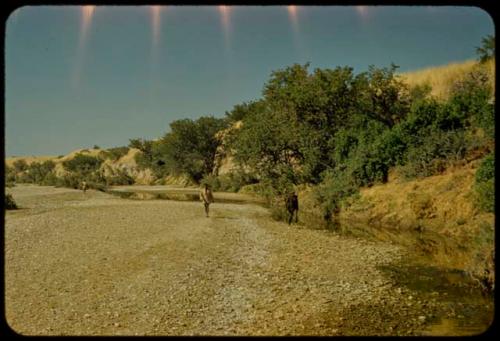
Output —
(75, 77)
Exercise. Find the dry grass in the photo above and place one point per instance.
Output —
(434, 215)
(29, 159)
(129, 158)
(441, 78)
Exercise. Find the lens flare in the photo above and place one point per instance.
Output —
(86, 12)
(155, 23)
(292, 13)
(224, 12)
(362, 11)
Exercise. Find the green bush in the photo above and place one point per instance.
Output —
(143, 161)
(20, 165)
(38, 172)
(433, 152)
(366, 153)
(486, 170)
(119, 177)
(485, 184)
(74, 180)
(485, 195)
(334, 190)
(82, 163)
(10, 174)
(113, 153)
(70, 180)
(471, 100)
(10, 204)
(49, 180)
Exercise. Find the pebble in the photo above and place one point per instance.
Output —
(252, 271)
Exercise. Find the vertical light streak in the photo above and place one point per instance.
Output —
(155, 24)
(224, 12)
(362, 11)
(87, 13)
(292, 13)
(155, 13)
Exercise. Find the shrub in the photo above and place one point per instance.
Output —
(334, 190)
(142, 160)
(433, 152)
(119, 177)
(471, 98)
(82, 163)
(10, 204)
(49, 180)
(10, 174)
(367, 151)
(485, 184)
(486, 170)
(70, 180)
(38, 172)
(113, 153)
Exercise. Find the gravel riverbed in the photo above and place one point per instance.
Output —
(96, 264)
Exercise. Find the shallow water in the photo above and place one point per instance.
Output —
(465, 309)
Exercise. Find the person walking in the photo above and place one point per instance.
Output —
(207, 197)
(84, 186)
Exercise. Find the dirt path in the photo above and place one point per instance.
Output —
(96, 264)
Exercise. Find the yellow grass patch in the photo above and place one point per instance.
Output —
(435, 215)
(29, 159)
(441, 78)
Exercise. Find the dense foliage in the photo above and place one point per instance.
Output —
(113, 153)
(330, 128)
(485, 184)
(190, 147)
(487, 49)
(340, 131)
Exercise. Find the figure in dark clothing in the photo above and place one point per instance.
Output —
(292, 206)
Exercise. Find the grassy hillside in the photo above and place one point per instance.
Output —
(434, 217)
(441, 78)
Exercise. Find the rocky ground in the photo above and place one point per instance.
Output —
(96, 264)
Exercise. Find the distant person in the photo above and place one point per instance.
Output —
(292, 206)
(207, 197)
(84, 186)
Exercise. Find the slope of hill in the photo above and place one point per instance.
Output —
(441, 78)
(109, 167)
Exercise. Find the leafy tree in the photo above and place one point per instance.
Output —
(142, 144)
(472, 100)
(487, 49)
(269, 144)
(240, 111)
(382, 96)
(190, 147)
(311, 108)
